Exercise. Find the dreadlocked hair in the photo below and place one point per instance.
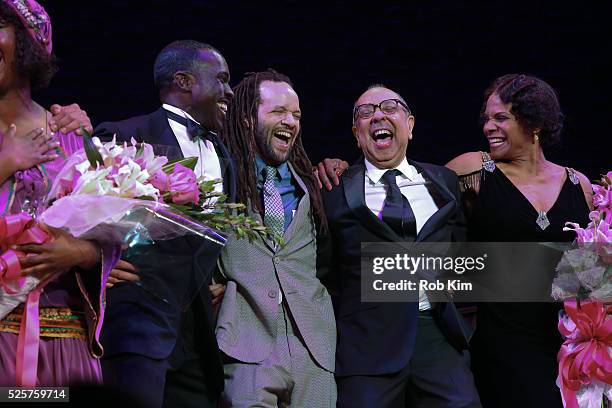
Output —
(239, 136)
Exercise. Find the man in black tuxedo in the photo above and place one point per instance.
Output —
(154, 350)
(394, 354)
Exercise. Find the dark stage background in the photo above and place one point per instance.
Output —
(439, 55)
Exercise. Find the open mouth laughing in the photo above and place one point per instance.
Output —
(382, 138)
(283, 138)
(222, 105)
(496, 141)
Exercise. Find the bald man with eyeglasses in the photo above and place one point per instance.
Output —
(394, 354)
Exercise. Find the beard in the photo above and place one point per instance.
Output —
(266, 150)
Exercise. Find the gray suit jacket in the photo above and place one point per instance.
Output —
(256, 272)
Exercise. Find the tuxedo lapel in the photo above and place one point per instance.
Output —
(354, 193)
(160, 132)
(443, 198)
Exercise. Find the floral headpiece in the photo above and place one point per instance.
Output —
(35, 19)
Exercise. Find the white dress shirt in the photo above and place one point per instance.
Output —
(208, 164)
(412, 186)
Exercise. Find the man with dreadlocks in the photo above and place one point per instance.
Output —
(276, 324)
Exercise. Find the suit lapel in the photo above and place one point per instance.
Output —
(303, 205)
(354, 193)
(258, 217)
(227, 168)
(444, 199)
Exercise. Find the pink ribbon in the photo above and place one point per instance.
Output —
(11, 228)
(584, 354)
(21, 229)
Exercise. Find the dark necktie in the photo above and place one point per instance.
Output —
(194, 130)
(397, 212)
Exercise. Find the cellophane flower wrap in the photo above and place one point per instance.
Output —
(584, 284)
(134, 204)
(126, 193)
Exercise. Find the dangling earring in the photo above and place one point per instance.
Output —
(536, 137)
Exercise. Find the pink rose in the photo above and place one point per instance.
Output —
(160, 181)
(183, 185)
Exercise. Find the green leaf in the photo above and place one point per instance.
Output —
(240, 232)
(146, 198)
(236, 206)
(189, 162)
(140, 151)
(91, 151)
(225, 217)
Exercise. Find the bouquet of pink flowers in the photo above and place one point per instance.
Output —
(127, 195)
(137, 198)
(119, 177)
(106, 180)
(584, 283)
(126, 198)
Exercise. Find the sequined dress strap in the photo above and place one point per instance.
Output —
(471, 181)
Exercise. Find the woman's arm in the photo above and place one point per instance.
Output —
(587, 189)
(466, 163)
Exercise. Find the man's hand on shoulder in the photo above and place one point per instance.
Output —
(329, 171)
(69, 118)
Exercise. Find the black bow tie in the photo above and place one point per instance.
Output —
(194, 130)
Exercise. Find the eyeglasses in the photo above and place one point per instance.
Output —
(388, 107)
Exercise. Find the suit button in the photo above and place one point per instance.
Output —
(272, 294)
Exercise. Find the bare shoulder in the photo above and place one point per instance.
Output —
(466, 163)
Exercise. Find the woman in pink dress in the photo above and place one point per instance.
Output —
(71, 305)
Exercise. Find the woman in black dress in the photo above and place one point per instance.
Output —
(519, 196)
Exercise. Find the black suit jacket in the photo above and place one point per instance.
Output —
(135, 321)
(378, 338)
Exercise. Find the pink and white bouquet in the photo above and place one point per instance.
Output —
(102, 184)
(93, 192)
(125, 197)
(584, 283)
(125, 193)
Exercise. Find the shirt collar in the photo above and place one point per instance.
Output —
(375, 174)
(282, 169)
(179, 112)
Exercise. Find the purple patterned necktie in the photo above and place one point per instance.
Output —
(274, 213)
